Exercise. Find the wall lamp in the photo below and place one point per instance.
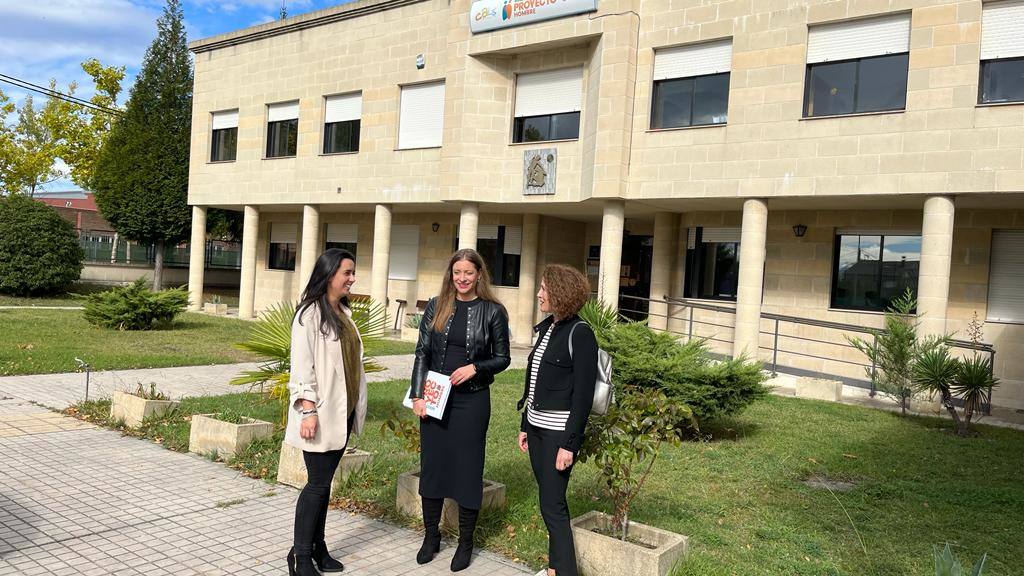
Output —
(799, 230)
(435, 226)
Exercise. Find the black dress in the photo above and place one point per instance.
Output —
(452, 449)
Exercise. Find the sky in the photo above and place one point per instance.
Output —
(42, 40)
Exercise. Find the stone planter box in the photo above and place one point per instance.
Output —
(218, 309)
(408, 501)
(133, 409)
(819, 389)
(410, 334)
(600, 555)
(291, 468)
(209, 435)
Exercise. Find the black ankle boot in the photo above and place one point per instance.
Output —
(467, 525)
(432, 508)
(323, 558)
(300, 564)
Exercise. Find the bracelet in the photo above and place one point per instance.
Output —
(304, 415)
(308, 412)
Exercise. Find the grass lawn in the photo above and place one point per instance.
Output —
(740, 497)
(48, 341)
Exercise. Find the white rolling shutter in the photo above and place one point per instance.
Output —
(709, 235)
(225, 120)
(1006, 277)
(487, 232)
(421, 116)
(405, 251)
(859, 39)
(284, 233)
(283, 111)
(342, 233)
(343, 108)
(513, 240)
(1002, 29)
(549, 92)
(693, 60)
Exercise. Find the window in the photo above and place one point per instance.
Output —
(282, 129)
(712, 263)
(344, 236)
(405, 251)
(501, 248)
(871, 269)
(1002, 52)
(858, 66)
(224, 140)
(691, 85)
(421, 116)
(547, 105)
(1006, 277)
(283, 243)
(341, 123)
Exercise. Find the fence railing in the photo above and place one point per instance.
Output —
(102, 246)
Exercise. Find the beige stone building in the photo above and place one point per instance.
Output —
(781, 169)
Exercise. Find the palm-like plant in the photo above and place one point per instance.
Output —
(270, 339)
(935, 372)
(601, 318)
(946, 564)
(973, 384)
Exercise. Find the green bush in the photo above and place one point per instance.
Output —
(39, 251)
(134, 307)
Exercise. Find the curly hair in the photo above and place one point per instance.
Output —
(568, 289)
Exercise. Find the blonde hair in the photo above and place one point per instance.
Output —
(445, 305)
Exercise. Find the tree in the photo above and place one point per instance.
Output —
(83, 136)
(140, 177)
(33, 145)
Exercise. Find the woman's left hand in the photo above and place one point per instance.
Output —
(563, 460)
(463, 374)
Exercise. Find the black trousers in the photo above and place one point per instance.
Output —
(311, 507)
(552, 485)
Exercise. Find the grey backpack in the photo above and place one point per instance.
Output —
(604, 394)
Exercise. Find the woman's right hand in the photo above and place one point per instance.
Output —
(419, 407)
(523, 446)
(307, 428)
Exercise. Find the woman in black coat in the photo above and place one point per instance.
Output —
(558, 395)
(464, 335)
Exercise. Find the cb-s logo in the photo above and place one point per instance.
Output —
(485, 13)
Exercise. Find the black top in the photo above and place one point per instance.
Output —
(455, 355)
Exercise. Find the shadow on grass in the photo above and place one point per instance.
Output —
(727, 430)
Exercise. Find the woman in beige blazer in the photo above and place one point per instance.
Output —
(328, 400)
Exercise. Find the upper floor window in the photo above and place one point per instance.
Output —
(421, 116)
(224, 139)
(712, 263)
(857, 66)
(871, 269)
(547, 105)
(1002, 52)
(282, 129)
(341, 123)
(344, 236)
(284, 241)
(691, 85)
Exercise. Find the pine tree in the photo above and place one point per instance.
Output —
(141, 174)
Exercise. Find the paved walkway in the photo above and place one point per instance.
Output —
(78, 499)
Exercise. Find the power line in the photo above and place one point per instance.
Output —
(58, 95)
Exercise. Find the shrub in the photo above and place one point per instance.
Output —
(150, 393)
(134, 307)
(39, 251)
(413, 320)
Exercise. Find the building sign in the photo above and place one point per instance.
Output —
(539, 171)
(487, 15)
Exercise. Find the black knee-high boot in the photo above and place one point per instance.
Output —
(432, 508)
(467, 525)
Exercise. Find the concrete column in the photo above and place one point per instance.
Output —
(309, 250)
(666, 252)
(936, 255)
(197, 258)
(678, 316)
(522, 326)
(469, 221)
(612, 225)
(247, 284)
(748, 299)
(381, 254)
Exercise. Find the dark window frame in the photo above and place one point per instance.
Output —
(216, 137)
(836, 246)
(693, 281)
(353, 139)
(352, 247)
(519, 123)
(982, 69)
(693, 99)
(293, 125)
(856, 85)
(498, 270)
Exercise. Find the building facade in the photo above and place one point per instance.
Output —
(780, 171)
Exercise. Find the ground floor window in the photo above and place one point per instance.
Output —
(712, 263)
(870, 269)
(501, 248)
(344, 236)
(1006, 277)
(283, 246)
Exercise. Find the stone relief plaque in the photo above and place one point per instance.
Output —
(539, 171)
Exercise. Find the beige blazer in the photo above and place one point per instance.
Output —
(318, 374)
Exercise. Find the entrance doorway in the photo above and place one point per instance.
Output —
(635, 279)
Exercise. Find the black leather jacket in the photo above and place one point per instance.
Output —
(487, 346)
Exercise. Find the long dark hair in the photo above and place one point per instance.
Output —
(446, 299)
(315, 293)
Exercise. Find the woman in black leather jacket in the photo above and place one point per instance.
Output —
(463, 334)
